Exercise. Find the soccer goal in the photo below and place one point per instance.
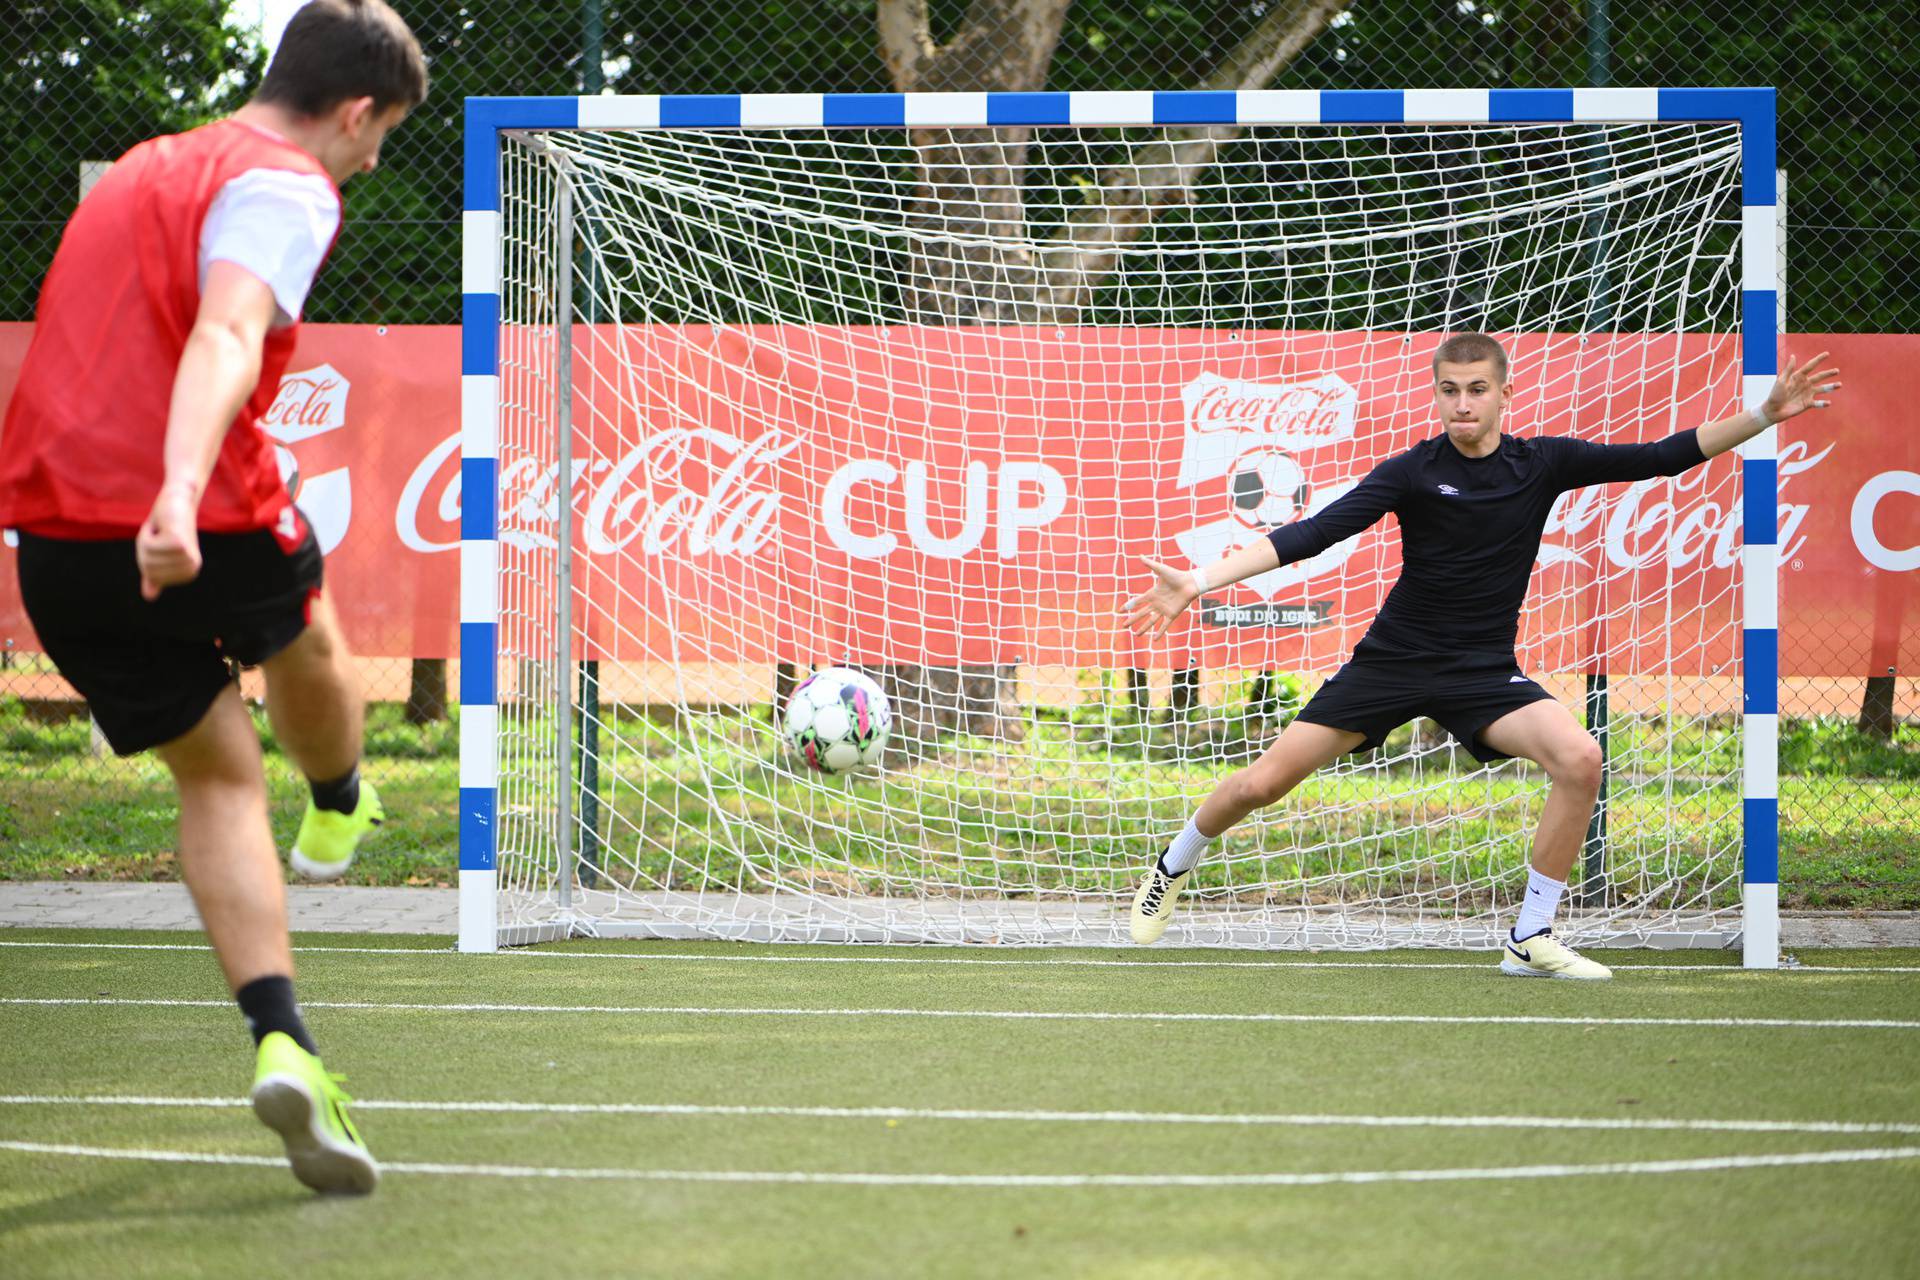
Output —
(911, 383)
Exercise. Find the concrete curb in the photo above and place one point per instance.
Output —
(357, 909)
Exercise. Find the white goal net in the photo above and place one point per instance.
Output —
(918, 402)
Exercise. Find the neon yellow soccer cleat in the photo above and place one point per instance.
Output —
(295, 1097)
(324, 848)
(1545, 956)
(1153, 903)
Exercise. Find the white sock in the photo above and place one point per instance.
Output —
(1187, 848)
(1537, 908)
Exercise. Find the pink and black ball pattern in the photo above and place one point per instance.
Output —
(836, 720)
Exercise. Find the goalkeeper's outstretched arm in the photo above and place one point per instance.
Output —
(1153, 611)
(1797, 389)
(1578, 463)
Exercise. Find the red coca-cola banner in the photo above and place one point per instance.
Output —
(974, 495)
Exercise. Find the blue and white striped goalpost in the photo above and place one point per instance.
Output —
(1752, 109)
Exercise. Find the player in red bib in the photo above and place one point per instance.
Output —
(157, 540)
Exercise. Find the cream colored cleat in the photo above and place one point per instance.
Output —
(1545, 956)
(1153, 903)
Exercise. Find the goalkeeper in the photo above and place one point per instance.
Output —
(1472, 503)
(157, 540)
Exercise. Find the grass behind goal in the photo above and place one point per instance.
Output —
(1850, 837)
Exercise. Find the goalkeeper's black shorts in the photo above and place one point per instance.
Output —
(1375, 698)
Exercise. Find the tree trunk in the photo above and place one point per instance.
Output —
(427, 691)
(976, 263)
(1876, 708)
(1185, 695)
(929, 702)
(973, 266)
(786, 678)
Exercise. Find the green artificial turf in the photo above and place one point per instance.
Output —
(598, 1035)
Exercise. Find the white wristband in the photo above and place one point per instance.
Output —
(1760, 412)
(1199, 582)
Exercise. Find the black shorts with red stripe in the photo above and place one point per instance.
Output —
(149, 670)
(1376, 697)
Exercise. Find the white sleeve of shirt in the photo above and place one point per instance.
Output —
(277, 224)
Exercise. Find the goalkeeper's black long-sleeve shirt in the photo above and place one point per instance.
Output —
(1469, 532)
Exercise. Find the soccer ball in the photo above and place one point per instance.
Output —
(837, 720)
(1268, 488)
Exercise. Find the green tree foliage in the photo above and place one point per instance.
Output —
(86, 80)
(1849, 79)
(398, 260)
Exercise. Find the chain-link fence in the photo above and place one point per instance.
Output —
(86, 79)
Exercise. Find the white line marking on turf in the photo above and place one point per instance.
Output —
(1031, 1015)
(523, 953)
(1038, 1180)
(1625, 1123)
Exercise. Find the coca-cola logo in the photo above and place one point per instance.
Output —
(694, 491)
(1251, 435)
(691, 488)
(309, 403)
(1301, 415)
(440, 466)
(1676, 523)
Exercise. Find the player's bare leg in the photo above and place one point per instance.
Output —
(1301, 750)
(314, 702)
(233, 872)
(227, 854)
(1547, 734)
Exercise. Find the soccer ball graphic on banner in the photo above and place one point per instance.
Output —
(837, 720)
(1268, 488)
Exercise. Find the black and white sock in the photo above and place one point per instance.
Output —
(268, 1006)
(342, 795)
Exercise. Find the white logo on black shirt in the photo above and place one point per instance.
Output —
(1449, 490)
